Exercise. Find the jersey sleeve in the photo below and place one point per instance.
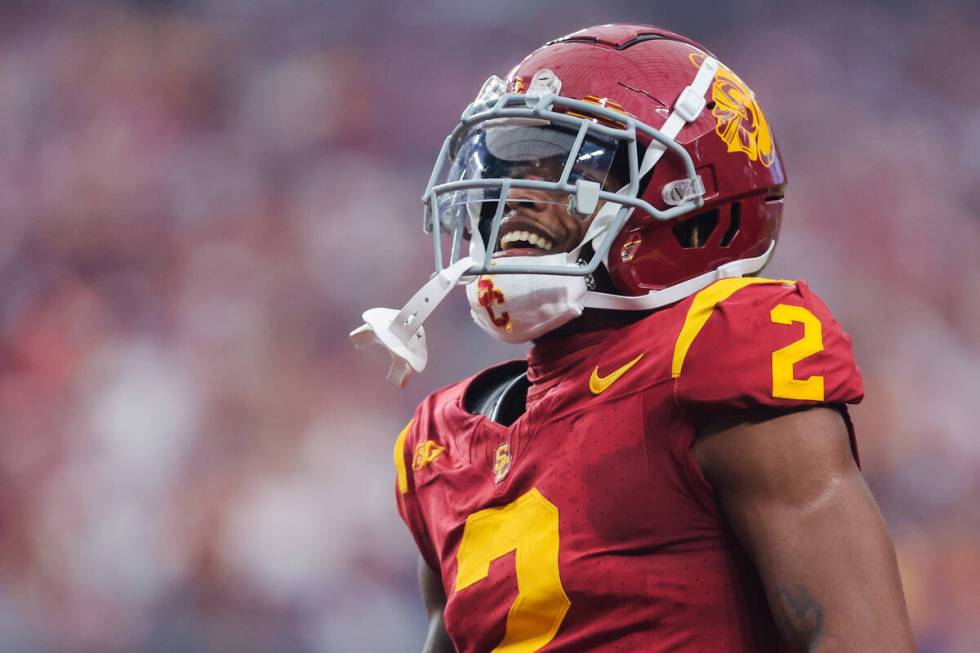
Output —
(753, 343)
(406, 497)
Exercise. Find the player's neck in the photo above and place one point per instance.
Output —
(591, 320)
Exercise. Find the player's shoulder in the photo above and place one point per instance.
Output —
(741, 304)
(418, 442)
(757, 341)
(446, 411)
(741, 312)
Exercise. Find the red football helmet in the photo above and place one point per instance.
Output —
(659, 149)
(708, 195)
(643, 69)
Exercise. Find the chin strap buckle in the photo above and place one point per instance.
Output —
(690, 104)
(406, 355)
(586, 198)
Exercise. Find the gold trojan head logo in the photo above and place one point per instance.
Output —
(740, 121)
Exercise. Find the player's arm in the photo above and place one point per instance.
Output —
(791, 490)
(430, 584)
(434, 597)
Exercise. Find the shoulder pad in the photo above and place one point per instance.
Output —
(754, 342)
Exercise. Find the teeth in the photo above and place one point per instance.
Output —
(526, 236)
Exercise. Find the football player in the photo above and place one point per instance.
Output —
(673, 467)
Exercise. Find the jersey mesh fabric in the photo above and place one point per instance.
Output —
(644, 555)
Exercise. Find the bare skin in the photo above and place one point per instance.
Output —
(436, 639)
(546, 215)
(795, 498)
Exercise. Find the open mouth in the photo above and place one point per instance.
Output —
(522, 237)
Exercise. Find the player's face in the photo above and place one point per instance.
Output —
(538, 222)
(535, 221)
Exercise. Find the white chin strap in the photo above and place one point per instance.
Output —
(401, 332)
(677, 292)
(689, 105)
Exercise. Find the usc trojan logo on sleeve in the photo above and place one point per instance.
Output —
(488, 296)
(740, 121)
(425, 453)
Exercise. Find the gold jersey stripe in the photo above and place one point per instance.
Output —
(400, 458)
(701, 309)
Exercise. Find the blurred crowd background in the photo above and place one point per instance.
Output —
(198, 198)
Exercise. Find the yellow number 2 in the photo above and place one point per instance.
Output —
(784, 384)
(529, 526)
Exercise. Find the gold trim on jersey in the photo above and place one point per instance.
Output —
(399, 455)
(701, 309)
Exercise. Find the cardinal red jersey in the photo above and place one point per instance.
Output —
(586, 525)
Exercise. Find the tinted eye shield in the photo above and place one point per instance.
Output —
(526, 149)
(587, 131)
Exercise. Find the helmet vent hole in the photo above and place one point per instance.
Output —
(734, 222)
(695, 232)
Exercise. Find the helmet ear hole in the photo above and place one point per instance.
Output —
(695, 232)
(734, 223)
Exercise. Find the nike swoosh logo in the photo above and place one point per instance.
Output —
(599, 384)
